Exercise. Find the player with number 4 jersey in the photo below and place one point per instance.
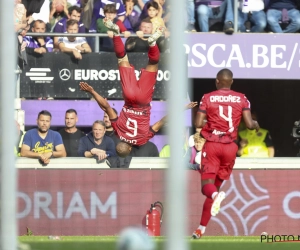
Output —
(223, 109)
(219, 115)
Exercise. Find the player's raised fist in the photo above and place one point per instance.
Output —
(191, 105)
(85, 87)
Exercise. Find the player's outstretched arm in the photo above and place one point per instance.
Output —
(249, 122)
(158, 125)
(191, 105)
(103, 104)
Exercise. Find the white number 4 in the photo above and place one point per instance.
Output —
(227, 118)
(131, 124)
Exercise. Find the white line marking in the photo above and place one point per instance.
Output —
(41, 78)
(292, 57)
(36, 74)
(41, 69)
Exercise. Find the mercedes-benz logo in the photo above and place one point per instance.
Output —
(65, 74)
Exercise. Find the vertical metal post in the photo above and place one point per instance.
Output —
(235, 14)
(8, 175)
(97, 44)
(176, 175)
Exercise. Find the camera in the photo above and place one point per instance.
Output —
(296, 129)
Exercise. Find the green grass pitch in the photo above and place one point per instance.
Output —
(109, 243)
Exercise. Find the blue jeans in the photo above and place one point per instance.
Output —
(273, 16)
(205, 13)
(190, 6)
(258, 20)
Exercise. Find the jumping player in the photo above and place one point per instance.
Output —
(219, 115)
(133, 124)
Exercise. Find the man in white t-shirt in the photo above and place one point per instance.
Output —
(72, 44)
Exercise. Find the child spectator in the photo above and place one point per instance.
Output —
(165, 8)
(155, 13)
(110, 12)
(131, 21)
(36, 44)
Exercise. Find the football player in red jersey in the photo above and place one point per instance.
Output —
(133, 124)
(219, 115)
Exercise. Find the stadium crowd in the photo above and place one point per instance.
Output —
(140, 17)
(277, 16)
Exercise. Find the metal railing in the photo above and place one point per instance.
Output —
(96, 35)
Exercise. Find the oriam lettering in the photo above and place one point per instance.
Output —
(41, 204)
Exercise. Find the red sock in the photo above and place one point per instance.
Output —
(119, 47)
(153, 54)
(208, 189)
(206, 215)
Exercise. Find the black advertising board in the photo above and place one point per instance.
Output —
(58, 75)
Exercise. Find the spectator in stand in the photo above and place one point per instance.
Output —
(215, 10)
(98, 12)
(190, 8)
(20, 20)
(59, 10)
(96, 144)
(165, 8)
(109, 130)
(131, 21)
(43, 143)
(39, 45)
(252, 17)
(255, 143)
(196, 149)
(71, 134)
(140, 44)
(285, 11)
(61, 25)
(72, 44)
(155, 10)
(110, 13)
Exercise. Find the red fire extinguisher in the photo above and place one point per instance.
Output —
(154, 219)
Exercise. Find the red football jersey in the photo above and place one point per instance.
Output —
(133, 125)
(223, 109)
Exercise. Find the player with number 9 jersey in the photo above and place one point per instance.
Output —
(132, 125)
(223, 109)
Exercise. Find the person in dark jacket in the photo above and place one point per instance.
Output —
(96, 144)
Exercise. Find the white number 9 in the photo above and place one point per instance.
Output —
(132, 125)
